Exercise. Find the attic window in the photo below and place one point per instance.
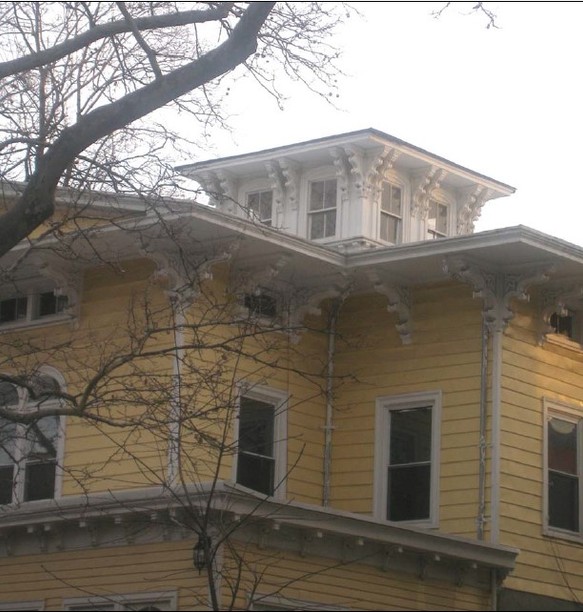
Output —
(322, 209)
(260, 206)
(23, 309)
(437, 220)
(261, 304)
(563, 323)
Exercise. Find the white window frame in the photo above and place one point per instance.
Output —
(279, 400)
(311, 213)
(32, 319)
(165, 599)
(565, 412)
(431, 233)
(279, 602)
(269, 222)
(382, 212)
(19, 453)
(384, 405)
(7, 606)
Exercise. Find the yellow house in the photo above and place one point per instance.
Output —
(318, 391)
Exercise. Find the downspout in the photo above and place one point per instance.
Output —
(495, 469)
(481, 518)
(179, 321)
(329, 424)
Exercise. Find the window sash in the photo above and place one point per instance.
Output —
(563, 465)
(322, 209)
(406, 458)
(437, 219)
(260, 206)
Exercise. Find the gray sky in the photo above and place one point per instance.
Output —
(505, 102)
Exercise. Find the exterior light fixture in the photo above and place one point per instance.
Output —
(199, 558)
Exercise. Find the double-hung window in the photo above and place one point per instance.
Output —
(261, 441)
(32, 307)
(322, 206)
(407, 458)
(28, 452)
(437, 220)
(391, 221)
(260, 206)
(564, 470)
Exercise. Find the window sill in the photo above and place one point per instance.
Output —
(43, 322)
(555, 532)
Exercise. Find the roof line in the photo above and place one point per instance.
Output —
(364, 132)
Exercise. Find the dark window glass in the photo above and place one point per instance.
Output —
(13, 309)
(256, 461)
(562, 324)
(263, 304)
(50, 304)
(563, 493)
(409, 471)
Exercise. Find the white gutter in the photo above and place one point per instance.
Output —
(495, 470)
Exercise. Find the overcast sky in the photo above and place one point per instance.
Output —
(505, 102)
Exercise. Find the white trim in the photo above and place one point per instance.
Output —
(497, 338)
(19, 454)
(381, 451)
(567, 412)
(279, 602)
(7, 606)
(279, 400)
(155, 598)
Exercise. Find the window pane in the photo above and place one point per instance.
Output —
(330, 194)
(409, 493)
(256, 462)
(256, 427)
(563, 501)
(317, 226)
(8, 394)
(255, 472)
(410, 436)
(7, 441)
(317, 195)
(6, 483)
(13, 309)
(562, 446)
(39, 481)
(42, 438)
(330, 217)
(391, 199)
(390, 228)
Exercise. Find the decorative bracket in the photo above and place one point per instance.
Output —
(343, 170)
(291, 174)
(262, 277)
(471, 202)
(496, 289)
(424, 185)
(308, 301)
(399, 302)
(277, 180)
(182, 273)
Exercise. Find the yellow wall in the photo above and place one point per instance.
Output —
(372, 362)
(547, 565)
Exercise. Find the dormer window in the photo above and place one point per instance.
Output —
(322, 209)
(260, 206)
(391, 221)
(437, 220)
(32, 307)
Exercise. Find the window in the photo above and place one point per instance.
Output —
(261, 304)
(261, 435)
(391, 213)
(437, 220)
(564, 467)
(32, 307)
(322, 209)
(260, 206)
(407, 458)
(141, 601)
(28, 453)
